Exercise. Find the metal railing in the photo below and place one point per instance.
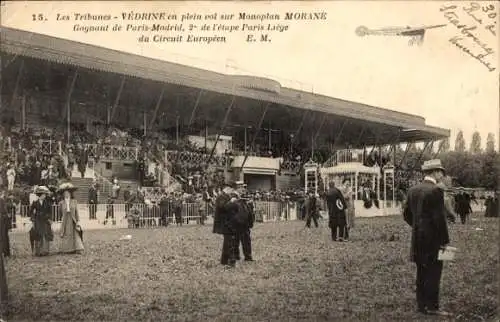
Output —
(142, 215)
(291, 166)
(113, 152)
(196, 159)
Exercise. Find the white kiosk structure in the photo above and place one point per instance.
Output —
(311, 177)
(364, 181)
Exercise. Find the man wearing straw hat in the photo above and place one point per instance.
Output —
(425, 212)
(41, 234)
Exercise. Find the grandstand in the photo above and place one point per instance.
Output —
(156, 124)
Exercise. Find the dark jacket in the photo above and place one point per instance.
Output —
(425, 213)
(4, 216)
(225, 210)
(244, 218)
(92, 196)
(41, 217)
(336, 204)
(311, 207)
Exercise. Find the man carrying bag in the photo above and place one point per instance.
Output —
(425, 212)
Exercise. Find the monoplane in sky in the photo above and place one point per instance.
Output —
(416, 33)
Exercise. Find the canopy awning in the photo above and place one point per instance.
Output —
(350, 167)
(394, 126)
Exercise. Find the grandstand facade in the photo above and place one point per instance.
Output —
(175, 125)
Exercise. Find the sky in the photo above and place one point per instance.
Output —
(436, 80)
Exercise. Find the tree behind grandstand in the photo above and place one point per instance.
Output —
(478, 169)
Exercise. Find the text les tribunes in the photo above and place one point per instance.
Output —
(173, 27)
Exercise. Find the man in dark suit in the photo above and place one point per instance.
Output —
(463, 206)
(225, 210)
(425, 212)
(336, 212)
(244, 221)
(5, 225)
(92, 200)
(311, 209)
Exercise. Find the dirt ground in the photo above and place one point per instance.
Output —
(174, 274)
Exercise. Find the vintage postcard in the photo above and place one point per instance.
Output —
(349, 148)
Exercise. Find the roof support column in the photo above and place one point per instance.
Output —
(223, 126)
(256, 134)
(438, 152)
(394, 157)
(427, 144)
(377, 139)
(408, 146)
(68, 105)
(18, 81)
(339, 135)
(117, 100)
(157, 107)
(301, 124)
(195, 108)
(363, 129)
(315, 137)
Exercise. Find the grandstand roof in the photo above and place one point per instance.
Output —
(408, 127)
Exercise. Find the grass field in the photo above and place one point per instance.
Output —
(174, 274)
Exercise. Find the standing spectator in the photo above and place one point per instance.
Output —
(178, 202)
(462, 204)
(243, 223)
(11, 211)
(350, 211)
(71, 241)
(82, 161)
(5, 225)
(225, 210)
(312, 211)
(41, 211)
(126, 197)
(115, 190)
(336, 212)
(164, 211)
(71, 161)
(202, 208)
(110, 211)
(425, 213)
(11, 177)
(93, 201)
(36, 174)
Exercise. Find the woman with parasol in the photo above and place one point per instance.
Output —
(71, 232)
(41, 234)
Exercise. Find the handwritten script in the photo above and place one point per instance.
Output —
(477, 26)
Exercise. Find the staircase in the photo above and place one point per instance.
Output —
(284, 182)
(123, 185)
(83, 185)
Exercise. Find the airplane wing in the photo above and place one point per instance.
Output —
(402, 31)
(415, 31)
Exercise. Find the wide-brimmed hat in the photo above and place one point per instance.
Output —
(228, 190)
(67, 186)
(42, 190)
(434, 164)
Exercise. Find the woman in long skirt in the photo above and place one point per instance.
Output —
(41, 234)
(348, 194)
(71, 232)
